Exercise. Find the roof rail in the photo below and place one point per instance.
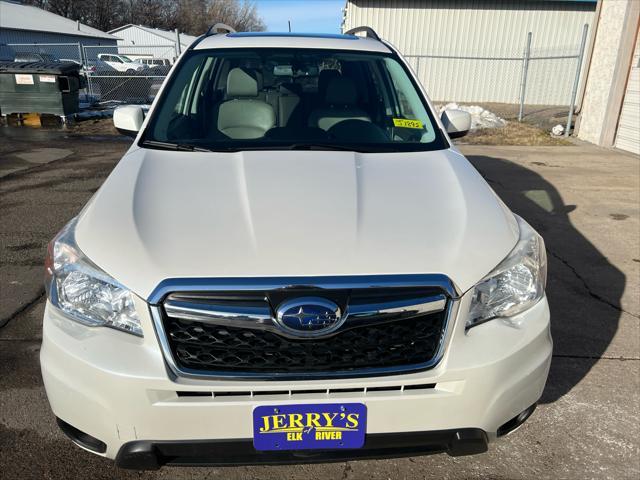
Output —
(213, 29)
(371, 33)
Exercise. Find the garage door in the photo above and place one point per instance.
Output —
(628, 136)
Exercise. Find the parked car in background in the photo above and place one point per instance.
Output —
(154, 62)
(121, 63)
(98, 66)
(84, 69)
(156, 66)
(35, 57)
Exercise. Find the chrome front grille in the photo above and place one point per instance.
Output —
(386, 329)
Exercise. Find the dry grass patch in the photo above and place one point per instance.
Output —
(513, 133)
(96, 126)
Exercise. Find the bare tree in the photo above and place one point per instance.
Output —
(243, 16)
(192, 16)
(189, 16)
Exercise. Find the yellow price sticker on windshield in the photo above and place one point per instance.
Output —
(406, 123)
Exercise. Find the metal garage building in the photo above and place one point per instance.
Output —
(22, 27)
(138, 40)
(471, 51)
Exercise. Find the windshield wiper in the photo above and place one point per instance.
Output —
(182, 147)
(185, 147)
(318, 146)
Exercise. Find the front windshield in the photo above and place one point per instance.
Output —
(269, 98)
(126, 59)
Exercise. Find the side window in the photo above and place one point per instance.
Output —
(203, 80)
(181, 102)
(188, 103)
(410, 104)
(403, 103)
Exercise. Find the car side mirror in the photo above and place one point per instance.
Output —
(128, 119)
(456, 122)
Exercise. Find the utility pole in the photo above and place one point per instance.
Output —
(289, 26)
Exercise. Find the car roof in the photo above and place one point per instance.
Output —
(291, 40)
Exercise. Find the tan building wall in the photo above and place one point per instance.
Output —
(610, 62)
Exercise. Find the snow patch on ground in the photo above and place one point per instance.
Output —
(92, 114)
(480, 117)
(90, 111)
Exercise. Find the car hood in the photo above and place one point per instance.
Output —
(165, 214)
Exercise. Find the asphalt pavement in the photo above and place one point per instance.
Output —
(585, 202)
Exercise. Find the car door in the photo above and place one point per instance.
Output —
(116, 62)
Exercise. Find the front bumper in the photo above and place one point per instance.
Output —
(146, 455)
(117, 389)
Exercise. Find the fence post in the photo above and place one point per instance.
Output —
(90, 96)
(576, 81)
(178, 49)
(525, 70)
(80, 54)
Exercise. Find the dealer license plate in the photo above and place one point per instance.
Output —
(309, 426)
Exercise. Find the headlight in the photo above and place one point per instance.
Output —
(83, 291)
(513, 286)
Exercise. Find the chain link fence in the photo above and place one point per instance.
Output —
(525, 77)
(126, 74)
(113, 74)
(53, 52)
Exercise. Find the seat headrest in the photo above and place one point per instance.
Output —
(341, 91)
(323, 80)
(241, 84)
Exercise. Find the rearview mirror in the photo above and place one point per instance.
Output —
(128, 119)
(283, 71)
(456, 122)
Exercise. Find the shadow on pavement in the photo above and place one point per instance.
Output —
(584, 289)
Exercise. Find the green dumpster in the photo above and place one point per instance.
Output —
(39, 87)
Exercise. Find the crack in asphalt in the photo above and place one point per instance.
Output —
(17, 174)
(4, 322)
(345, 472)
(586, 286)
(21, 340)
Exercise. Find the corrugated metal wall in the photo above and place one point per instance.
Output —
(29, 37)
(133, 36)
(487, 28)
(8, 35)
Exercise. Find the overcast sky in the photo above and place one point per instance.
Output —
(317, 16)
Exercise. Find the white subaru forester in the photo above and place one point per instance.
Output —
(293, 263)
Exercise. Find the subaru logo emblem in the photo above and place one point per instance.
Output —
(309, 316)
